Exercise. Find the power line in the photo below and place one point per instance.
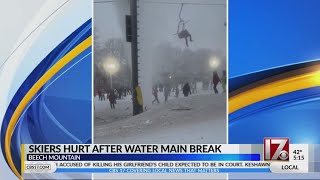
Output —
(174, 3)
(160, 2)
(32, 33)
(103, 1)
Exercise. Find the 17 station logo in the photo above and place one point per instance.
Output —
(276, 149)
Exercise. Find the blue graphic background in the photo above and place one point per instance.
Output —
(268, 37)
(269, 33)
(61, 111)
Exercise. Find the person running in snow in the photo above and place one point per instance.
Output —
(215, 81)
(155, 94)
(186, 90)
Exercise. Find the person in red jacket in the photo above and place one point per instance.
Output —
(215, 81)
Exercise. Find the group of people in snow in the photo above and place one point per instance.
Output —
(113, 95)
(188, 89)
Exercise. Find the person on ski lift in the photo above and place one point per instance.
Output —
(184, 33)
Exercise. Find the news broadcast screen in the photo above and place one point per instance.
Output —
(160, 89)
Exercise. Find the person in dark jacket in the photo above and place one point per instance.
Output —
(166, 93)
(112, 99)
(186, 90)
(155, 94)
(100, 95)
(215, 81)
(120, 92)
(183, 33)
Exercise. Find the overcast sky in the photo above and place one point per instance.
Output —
(158, 22)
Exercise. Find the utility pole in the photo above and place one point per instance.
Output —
(134, 54)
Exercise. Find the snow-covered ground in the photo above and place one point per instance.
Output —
(199, 118)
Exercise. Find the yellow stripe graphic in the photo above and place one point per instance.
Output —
(34, 89)
(283, 86)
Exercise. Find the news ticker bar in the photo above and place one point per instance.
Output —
(163, 167)
(143, 157)
(159, 158)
